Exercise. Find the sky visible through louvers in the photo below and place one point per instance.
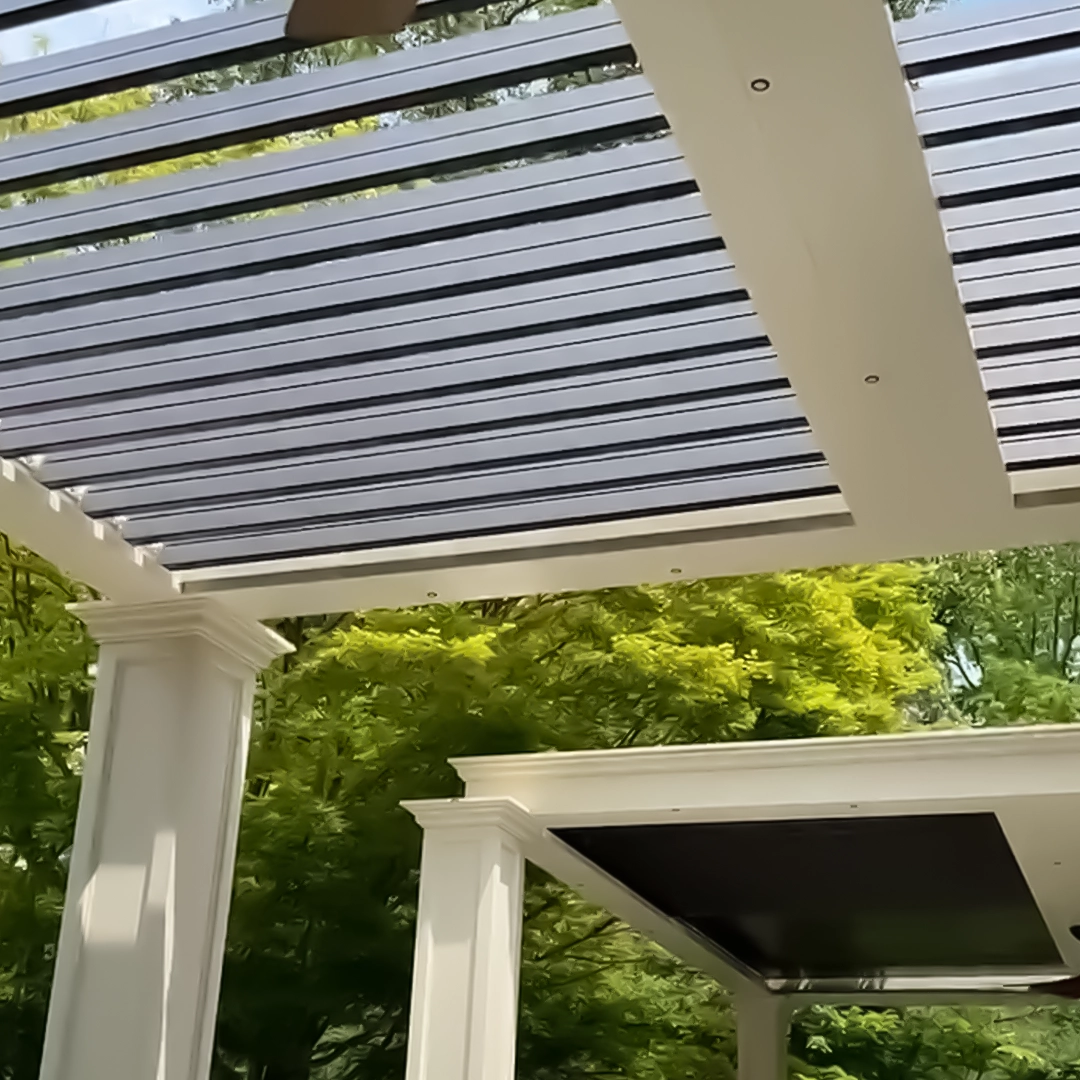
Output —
(123, 17)
(111, 20)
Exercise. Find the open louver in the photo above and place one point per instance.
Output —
(321, 21)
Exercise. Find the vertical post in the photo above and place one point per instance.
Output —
(143, 935)
(464, 1017)
(763, 1022)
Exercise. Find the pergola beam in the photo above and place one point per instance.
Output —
(52, 524)
(797, 123)
(739, 540)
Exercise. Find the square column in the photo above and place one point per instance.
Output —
(464, 1017)
(763, 1022)
(143, 935)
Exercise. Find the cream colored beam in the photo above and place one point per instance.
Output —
(51, 524)
(1026, 778)
(796, 121)
(681, 547)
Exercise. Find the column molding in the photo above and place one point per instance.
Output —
(463, 1024)
(143, 933)
(464, 814)
(254, 645)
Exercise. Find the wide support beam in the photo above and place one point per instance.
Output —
(797, 123)
(763, 1021)
(143, 934)
(464, 1017)
(731, 540)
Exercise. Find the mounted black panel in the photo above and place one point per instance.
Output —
(842, 898)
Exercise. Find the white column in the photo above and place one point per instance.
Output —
(464, 1017)
(763, 1023)
(143, 935)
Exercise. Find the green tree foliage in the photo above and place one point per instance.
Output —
(44, 714)
(144, 98)
(946, 1044)
(319, 954)
(320, 943)
(1011, 634)
(908, 9)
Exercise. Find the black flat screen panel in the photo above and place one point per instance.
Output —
(852, 897)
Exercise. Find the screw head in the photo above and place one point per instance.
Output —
(872, 380)
(759, 86)
(433, 596)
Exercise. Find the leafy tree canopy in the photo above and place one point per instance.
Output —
(317, 973)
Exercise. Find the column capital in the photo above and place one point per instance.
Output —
(458, 814)
(203, 617)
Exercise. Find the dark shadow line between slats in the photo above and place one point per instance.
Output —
(1042, 427)
(1020, 300)
(983, 196)
(210, 61)
(435, 472)
(108, 474)
(148, 76)
(1055, 462)
(1049, 388)
(1019, 247)
(130, 439)
(178, 563)
(437, 345)
(275, 320)
(512, 151)
(331, 253)
(1022, 348)
(1001, 54)
(700, 505)
(599, 319)
(326, 412)
(996, 128)
(625, 363)
(504, 498)
(305, 121)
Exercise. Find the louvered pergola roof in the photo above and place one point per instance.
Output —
(806, 292)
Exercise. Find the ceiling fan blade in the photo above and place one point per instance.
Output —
(319, 22)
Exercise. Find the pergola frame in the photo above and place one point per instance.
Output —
(469, 935)
(838, 298)
(782, 187)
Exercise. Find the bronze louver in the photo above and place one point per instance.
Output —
(318, 22)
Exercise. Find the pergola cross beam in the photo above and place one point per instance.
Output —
(809, 159)
(52, 524)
